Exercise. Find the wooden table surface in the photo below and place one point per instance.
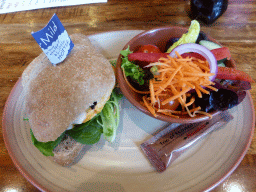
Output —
(236, 29)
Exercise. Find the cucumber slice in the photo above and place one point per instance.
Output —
(221, 61)
(209, 44)
(221, 64)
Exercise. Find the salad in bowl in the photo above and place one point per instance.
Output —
(180, 75)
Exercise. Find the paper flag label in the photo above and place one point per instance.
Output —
(54, 40)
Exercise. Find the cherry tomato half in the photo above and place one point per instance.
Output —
(148, 49)
(171, 105)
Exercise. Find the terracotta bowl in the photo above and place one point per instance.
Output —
(158, 37)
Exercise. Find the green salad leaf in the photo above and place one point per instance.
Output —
(131, 69)
(110, 116)
(87, 133)
(46, 147)
(105, 122)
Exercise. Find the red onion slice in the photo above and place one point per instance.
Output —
(196, 48)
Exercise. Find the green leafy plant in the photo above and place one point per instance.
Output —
(131, 69)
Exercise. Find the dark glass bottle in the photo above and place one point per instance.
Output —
(207, 11)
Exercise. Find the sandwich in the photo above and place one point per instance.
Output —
(69, 105)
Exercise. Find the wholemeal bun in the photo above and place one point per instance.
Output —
(70, 93)
(67, 151)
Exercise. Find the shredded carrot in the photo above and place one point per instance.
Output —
(175, 92)
(204, 113)
(210, 87)
(201, 89)
(168, 113)
(149, 107)
(204, 67)
(178, 55)
(199, 94)
(176, 96)
(152, 93)
(169, 80)
(198, 74)
(177, 76)
(192, 100)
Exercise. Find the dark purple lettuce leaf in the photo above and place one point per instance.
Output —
(241, 95)
(223, 99)
(203, 102)
(230, 93)
(233, 85)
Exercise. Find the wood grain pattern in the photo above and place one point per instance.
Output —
(235, 29)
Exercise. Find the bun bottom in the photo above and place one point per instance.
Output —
(67, 151)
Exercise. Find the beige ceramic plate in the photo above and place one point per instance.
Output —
(121, 166)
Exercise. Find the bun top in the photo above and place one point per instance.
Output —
(57, 96)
